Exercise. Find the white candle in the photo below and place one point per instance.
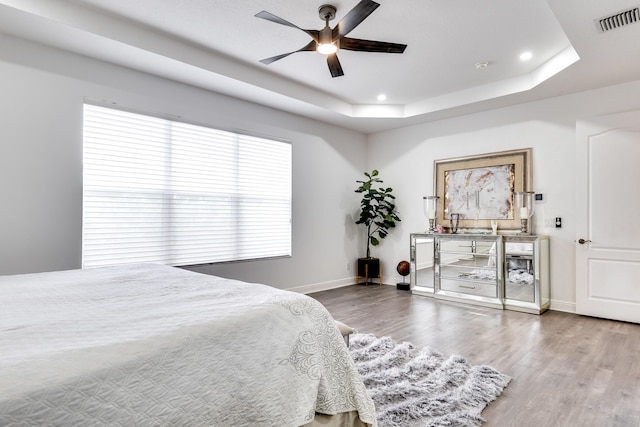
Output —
(431, 213)
(524, 212)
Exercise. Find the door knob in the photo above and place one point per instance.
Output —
(582, 241)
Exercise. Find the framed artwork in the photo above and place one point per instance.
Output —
(478, 190)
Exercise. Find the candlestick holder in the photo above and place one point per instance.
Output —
(430, 206)
(523, 203)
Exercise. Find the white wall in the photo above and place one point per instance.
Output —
(41, 165)
(405, 159)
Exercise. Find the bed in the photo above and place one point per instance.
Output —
(155, 345)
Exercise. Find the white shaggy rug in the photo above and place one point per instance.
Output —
(420, 387)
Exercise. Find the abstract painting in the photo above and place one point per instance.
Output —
(480, 188)
(480, 193)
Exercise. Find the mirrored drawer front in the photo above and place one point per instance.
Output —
(518, 248)
(469, 287)
(475, 274)
(465, 264)
(467, 246)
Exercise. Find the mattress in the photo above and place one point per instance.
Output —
(156, 345)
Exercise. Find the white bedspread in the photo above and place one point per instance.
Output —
(155, 345)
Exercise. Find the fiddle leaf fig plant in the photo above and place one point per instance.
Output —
(377, 209)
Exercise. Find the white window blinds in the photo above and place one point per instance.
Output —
(163, 191)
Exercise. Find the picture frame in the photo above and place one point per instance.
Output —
(477, 191)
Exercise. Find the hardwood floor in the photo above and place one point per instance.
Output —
(567, 370)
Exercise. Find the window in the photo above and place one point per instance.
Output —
(163, 191)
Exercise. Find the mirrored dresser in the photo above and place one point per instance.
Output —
(499, 271)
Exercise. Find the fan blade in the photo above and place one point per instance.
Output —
(273, 18)
(371, 46)
(334, 65)
(311, 46)
(355, 16)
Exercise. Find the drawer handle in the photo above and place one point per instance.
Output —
(466, 287)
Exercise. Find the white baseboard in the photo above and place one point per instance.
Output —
(323, 286)
(566, 306)
(333, 284)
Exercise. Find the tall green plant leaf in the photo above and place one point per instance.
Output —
(377, 209)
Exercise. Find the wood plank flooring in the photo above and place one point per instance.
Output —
(567, 370)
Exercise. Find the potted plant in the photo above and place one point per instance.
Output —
(378, 213)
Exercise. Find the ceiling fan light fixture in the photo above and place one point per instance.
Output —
(325, 41)
(327, 48)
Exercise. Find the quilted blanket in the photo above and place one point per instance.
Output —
(155, 345)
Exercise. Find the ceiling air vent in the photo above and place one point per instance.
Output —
(619, 19)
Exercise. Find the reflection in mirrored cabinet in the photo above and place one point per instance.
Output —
(469, 268)
(421, 249)
(526, 278)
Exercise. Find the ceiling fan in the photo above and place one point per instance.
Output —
(327, 41)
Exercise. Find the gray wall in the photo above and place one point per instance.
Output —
(41, 165)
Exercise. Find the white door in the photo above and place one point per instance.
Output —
(608, 217)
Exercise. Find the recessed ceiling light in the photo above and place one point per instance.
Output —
(382, 97)
(525, 56)
(482, 65)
